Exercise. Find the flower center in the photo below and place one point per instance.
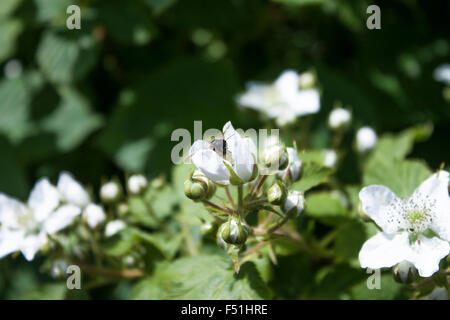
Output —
(418, 213)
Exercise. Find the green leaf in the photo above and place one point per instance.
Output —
(213, 277)
(167, 245)
(389, 289)
(397, 147)
(325, 206)
(15, 99)
(147, 289)
(7, 7)
(54, 291)
(402, 177)
(52, 11)
(127, 240)
(66, 57)
(72, 121)
(349, 239)
(10, 30)
(333, 281)
(133, 155)
(313, 175)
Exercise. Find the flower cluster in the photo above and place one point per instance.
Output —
(37, 225)
(235, 161)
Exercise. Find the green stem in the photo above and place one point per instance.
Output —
(215, 206)
(279, 224)
(240, 201)
(258, 186)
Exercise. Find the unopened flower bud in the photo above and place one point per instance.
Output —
(366, 139)
(114, 227)
(111, 192)
(93, 215)
(199, 187)
(123, 209)
(194, 190)
(293, 170)
(405, 272)
(206, 228)
(58, 269)
(277, 193)
(234, 232)
(306, 80)
(137, 184)
(294, 204)
(275, 157)
(198, 176)
(339, 118)
(330, 158)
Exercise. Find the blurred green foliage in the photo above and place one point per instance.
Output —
(105, 99)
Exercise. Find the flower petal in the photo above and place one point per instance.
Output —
(72, 191)
(383, 206)
(10, 242)
(198, 146)
(94, 215)
(434, 190)
(255, 97)
(61, 218)
(384, 250)
(113, 227)
(44, 198)
(426, 253)
(294, 166)
(231, 136)
(212, 166)
(245, 159)
(10, 209)
(31, 244)
(287, 84)
(305, 102)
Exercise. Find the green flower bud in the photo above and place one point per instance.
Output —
(196, 191)
(233, 232)
(405, 272)
(111, 192)
(294, 204)
(123, 209)
(199, 177)
(277, 193)
(275, 157)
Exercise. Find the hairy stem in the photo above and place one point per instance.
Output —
(217, 207)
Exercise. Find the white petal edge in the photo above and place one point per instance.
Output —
(426, 253)
(43, 199)
(61, 218)
(72, 191)
(384, 250)
(198, 146)
(378, 203)
(31, 244)
(436, 188)
(212, 166)
(10, 242)
(9, 209)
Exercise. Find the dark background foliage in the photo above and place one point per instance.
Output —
(104, 99)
